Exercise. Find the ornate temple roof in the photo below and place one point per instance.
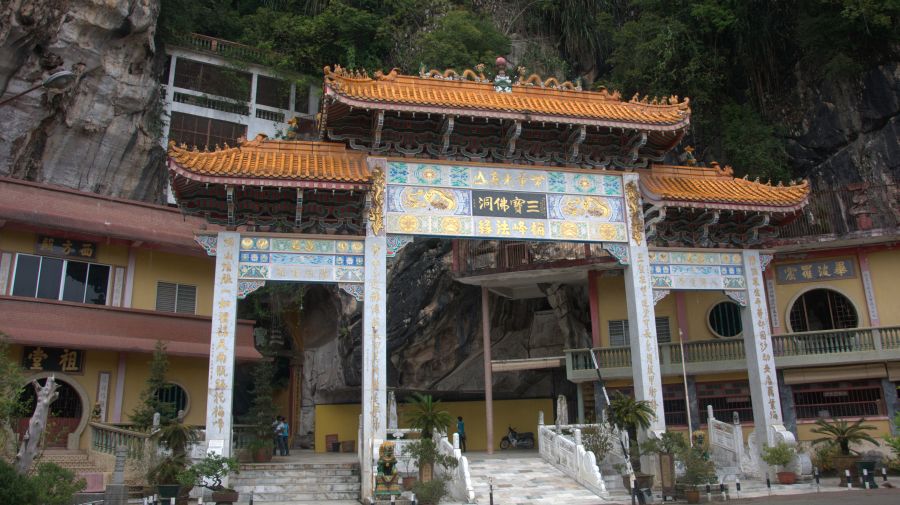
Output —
(528, 99)
(714, 187)
(273, 163)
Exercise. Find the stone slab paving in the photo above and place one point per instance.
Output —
(525, 479)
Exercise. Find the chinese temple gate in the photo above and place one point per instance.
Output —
(472, 158)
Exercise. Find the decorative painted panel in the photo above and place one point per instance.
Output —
(812, 271)
(504, 203)
(699, 270)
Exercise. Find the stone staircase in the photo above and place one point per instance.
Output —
(524, 478)
(78, 463)
(298, 483)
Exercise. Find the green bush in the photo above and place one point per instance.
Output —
(823, 458)
(431, 492)
(780, 455)
(49, 485)
(14, 488)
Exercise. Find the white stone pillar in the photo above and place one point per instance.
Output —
(760, 359)
(221, 351)
(374, 377)
(641, 315)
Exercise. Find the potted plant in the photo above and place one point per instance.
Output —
(841, 434)
(175, 436)
(431, 492)
(698, 470)
(667, 447)
(426, 454)
(209, 472)
(425, 415)
(780, 456)
(630, 415)
(262, 412)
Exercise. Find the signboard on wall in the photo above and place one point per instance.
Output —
(53, 359)
(504, 203)
(55, 246)
(812, 271)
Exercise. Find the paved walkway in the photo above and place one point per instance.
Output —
(523, 478)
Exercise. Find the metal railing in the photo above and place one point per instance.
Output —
(486, 256)
(223, 48)
(814, 343)
(838, 212)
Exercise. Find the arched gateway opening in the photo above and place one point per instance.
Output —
(68, 413)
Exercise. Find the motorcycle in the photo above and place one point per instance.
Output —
(516, 440)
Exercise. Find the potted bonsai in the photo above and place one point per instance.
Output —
(841, 434)
(780, 456)
(630, 415)
(698, 470)
(209, 472)
(175, 436)
(667, 448)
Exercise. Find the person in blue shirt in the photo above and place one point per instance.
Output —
(285, 434)
(461, 429)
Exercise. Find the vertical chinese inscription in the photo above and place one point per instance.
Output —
(221, 353)
(374, 354)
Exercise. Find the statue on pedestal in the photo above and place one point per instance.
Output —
(387, 480)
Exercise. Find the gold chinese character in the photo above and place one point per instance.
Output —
(522, 180)
(520, 227)
(840, 268)
(479, 178)
(517, 204)
(532, 206)
(537, 229)
(823, 270)
(37, 357)
(484, 227)
(537, 180)
(87, 249)
(67, 247)
(495, 179)
(790, 274)
(68, 361)
(485, 203)
(47, 244)
(507, 179)
(502, 204)
(503, 228)
(806, 271)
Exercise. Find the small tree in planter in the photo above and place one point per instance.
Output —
(698, 470)
(425, 415)
(630, 415)
(426, 454)
(842, 434)
(209, 473)
(176, 436)
(780, 456)
(262, 411)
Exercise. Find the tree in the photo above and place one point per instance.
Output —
(150, 402)
(262, 409)
(426, 416)
(840, 433)
(11, 380)
(31, 441)
(460, 40)
(629, 414)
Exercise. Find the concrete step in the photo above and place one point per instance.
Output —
(311, 497)
(239, 480)
(313, 502)
(526, 480)
(298, 488)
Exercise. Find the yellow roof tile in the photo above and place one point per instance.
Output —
(716, 187)
(529, 102)
(274, 160)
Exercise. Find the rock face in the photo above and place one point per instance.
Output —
(102, 133)
(849, 131)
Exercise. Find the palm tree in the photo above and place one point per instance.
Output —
(629, 414)
(426, 417)
(841, 433)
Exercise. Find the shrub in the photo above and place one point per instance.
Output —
(780, 455)
(823, 458)
(431, 492)
(50, 485)
(598, 439)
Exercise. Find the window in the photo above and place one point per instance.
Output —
(822, 309)
(860, 398)
(203, 132)
(59, 279)
(173, 394)
(618, 332)
(726, 398)
(273, 92)
(180, 298)
(674, 405)
(725, 319)
(212, 79)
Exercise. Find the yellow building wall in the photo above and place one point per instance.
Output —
(786, 294)
(612, 307)
(24, 242)
(697, 306)
(343, 420)
(189, 373)
(882, 429)
(154, 266)
(885, 270)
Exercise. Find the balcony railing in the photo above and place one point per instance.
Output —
(795, 349)
(223, 48)
(839, 212)
(479, 257)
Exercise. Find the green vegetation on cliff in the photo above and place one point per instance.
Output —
(737, 60)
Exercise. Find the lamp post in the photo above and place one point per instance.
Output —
(59, 80)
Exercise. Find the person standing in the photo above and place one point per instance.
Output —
(461, 430)
(276, 435)
(285, 434)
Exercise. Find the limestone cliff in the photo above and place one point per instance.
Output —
(101, 134)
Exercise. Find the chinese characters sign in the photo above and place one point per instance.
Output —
(499, 202)
(312, 260)
(53, 359)
(55, 246)
(697, 270)
(815, 271)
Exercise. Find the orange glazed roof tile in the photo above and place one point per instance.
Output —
(682, 186)
(449, 94)
(273, 162)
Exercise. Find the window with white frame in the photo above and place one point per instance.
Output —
(179, 298)
(60, 279)
(618, 332)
